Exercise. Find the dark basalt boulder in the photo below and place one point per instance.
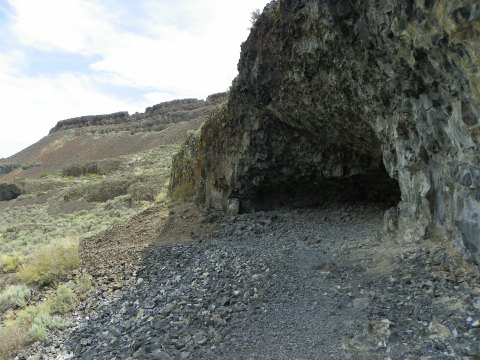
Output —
(9, 192)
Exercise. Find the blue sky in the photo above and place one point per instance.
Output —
(68, 58)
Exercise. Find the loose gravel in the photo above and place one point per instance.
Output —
(316, 283)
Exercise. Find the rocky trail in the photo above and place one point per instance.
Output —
(318, 283)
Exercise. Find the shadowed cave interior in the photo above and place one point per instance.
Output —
(299, 170)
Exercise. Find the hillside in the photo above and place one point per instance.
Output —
(92, 138)
(88, 174)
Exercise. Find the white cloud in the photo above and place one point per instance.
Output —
(75, 26)
(165, 49)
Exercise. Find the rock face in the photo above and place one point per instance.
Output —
(154, 117)
(184, 162)
(9, 192)
(331, 93)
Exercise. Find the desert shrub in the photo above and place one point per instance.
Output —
(183, 191)
(51, 264)
(145, 189)
(8, 168)
(10, 263)
(31, 166)
(14, 296)
(38, 329)
(43, 322)
(107, 189)
(34, 322)
(13, 339)
(63, 301)
(74, 193)
(77, 170)
(83, 284)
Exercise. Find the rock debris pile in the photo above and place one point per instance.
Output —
(304, 284)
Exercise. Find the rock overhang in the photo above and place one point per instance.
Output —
(330, 90)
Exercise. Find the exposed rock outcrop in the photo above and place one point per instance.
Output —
(331, 92)
(184, 163)
(154, 117)
(9, 192)
(91, 120)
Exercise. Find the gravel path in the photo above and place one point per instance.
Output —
(288, 284)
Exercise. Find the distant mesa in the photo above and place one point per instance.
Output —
(154, 117)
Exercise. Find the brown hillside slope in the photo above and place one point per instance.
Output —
(93, 138)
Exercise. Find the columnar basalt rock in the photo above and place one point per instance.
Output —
(331, 92)
(154, 116)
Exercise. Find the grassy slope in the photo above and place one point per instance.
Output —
(56, 211)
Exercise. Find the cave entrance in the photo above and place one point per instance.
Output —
(376, 187)
(301, 170)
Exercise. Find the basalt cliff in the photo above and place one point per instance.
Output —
(353, 100)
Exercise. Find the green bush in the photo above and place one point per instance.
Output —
(83, 284)
(10, 263)
(51, 264)
(43, 322)
(63, 301)
(38, 329)
(77, 170)
(14, 296)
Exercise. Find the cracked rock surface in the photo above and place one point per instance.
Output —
(335, 92)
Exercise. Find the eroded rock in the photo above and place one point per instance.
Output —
(331, 92)
(9, 192)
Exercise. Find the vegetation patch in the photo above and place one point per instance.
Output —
(10, 263)
(51, 264)
(33, 323)
(183, 191)
(8, 168)
(183, 178)
(14, 296)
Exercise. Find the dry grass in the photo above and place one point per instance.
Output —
(39, 236)
(34, 322)
(183, 191)
(13, 339)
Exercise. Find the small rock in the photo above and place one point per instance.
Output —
(361, 303)
(233, 206)
(438, 330)
(184, 355)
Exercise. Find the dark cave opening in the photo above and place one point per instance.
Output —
(9, 192)
(375, 187)
(298, 169)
